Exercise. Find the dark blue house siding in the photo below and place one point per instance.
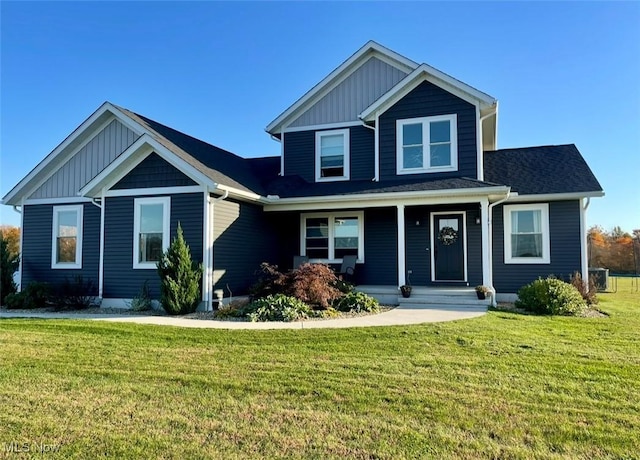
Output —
(153, 171)
(418, 243)
(564, 234)
(120, 279)
(300, 148)
(243, 240)
(424, 101)
(36, 246)
(380, 248)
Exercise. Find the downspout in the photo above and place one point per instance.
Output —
(480, 144)
(584, 260)
(376, 151)
(212, 208)
(101, 260)
(15, 208)
(490, 218)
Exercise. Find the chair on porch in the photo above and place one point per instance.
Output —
(299, 260)
(348, 268)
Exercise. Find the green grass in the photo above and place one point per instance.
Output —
(501, 386)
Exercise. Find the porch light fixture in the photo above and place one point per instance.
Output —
(478, 220)
(417, 223)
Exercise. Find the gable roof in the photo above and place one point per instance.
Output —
(370, 49)
(544, 170)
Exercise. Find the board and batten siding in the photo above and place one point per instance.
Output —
(349, 98)
(37, 245)
(121, 280)
(243, 239)
(565, 249)
(154, 171)
(428, 100)
(300, 154)
(90, 160)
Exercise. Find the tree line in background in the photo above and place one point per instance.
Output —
(616, 250)
(9, 259)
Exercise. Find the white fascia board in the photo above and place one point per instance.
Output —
(370, 49)
(516, 198)
(426, 73)
(372, 200)
(61, 153)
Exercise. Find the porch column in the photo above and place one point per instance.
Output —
(487, 278)
(401, 247)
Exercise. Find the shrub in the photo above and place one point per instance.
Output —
(314, 284)
(356, 302)
(8, 265)
(75, 293)
(142, 300)
(179, 278)
(278, 307)
(550, 296)
(589, 295)
(34, 295)
(270, 281)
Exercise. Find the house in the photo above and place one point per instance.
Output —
(386, 159)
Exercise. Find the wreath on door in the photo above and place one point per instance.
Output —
(447, 236)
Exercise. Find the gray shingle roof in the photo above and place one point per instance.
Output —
(541, 170)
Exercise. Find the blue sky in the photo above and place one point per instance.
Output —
(563, 72)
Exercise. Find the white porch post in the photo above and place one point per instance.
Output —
(401, 247)
(487, 278)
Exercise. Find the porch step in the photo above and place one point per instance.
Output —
(442, 296)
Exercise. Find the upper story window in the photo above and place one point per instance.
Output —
(427, 144)
(66, 247)
(332, 155)
(526, 234)
(150, 230)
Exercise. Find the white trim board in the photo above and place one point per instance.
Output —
(79, 210)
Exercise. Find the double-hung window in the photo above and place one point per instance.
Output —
(330, 237)
(332, 155)
(427, 144)
(526, 234)
(150, 230)
(66, 246)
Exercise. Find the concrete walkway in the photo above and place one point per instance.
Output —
(397, 317)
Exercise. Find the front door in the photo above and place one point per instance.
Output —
(448, 235)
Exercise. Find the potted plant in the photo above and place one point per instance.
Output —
(405, 289)
(482, 292)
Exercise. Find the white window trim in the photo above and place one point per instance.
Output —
(426, 156)
(331, 217)
(347, 156)
(78, 208)
(546, 253)
(166, 219)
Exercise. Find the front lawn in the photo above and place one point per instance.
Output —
(501, 386)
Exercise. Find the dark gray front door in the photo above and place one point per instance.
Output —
(448, 247)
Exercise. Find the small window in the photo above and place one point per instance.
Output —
(427, 144)
(330, 237)
(526, 234)
(66, 247)
(332, 155)
(151, 231)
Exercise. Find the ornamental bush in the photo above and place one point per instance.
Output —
(551, 296)
(34, 295)
(8, 265)
(278, 307)
(179, 278)
(356, 302)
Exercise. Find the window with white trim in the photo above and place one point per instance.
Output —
(150, 230)
(526, 234)
(332, 155)
(66, 246)
(427, 144)
(330, 237)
